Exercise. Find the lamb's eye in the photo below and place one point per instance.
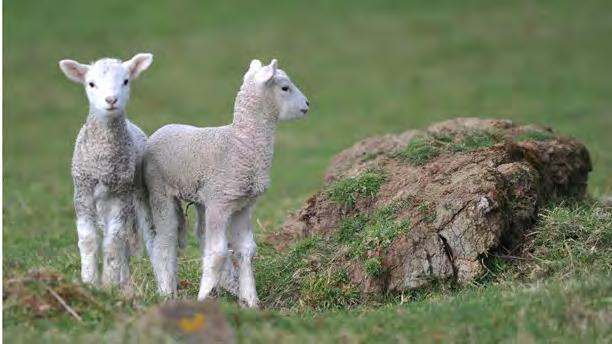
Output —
(125, 82)
(285, 88)
(92, 85)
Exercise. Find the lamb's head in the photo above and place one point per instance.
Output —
(275, 87)
(107, 81)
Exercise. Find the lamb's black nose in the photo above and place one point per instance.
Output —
(307, 103)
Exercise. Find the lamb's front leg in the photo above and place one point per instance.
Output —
(89, 241)
(229, 278)
(215, 248)
(243, 243)
(119, 218)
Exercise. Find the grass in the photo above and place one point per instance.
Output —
(370, 156)
(368, 68)
(311, 274)
(280, 269)
(328, 289)
(422, 149)
(570, 238)
(574, 236)
(533, 135)
(373, 267)
(426, 211)
(559, 291)
(374, 232)
(347, 190)
(305, 277)
(569, 312)
(377, 235)
(474, 140)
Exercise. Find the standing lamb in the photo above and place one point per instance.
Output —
(223, 170)
(107, 169)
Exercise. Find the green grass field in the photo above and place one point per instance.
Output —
(367, 67)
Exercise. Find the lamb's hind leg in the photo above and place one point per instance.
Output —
(119, 216)
(215, 248)
(243, 243)
(89, 241)
(167, 218)
(229, 278)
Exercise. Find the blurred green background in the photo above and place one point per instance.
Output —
(367, 67)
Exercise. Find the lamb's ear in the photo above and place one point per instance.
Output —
(138, 64)
(255, 65)
(73, 70)
(266, 73)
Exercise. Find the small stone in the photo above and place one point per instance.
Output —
(189, 321)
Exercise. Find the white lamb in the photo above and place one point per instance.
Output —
(223, 170)
(107, 169)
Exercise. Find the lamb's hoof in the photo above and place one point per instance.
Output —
(249, 304)
(110, 283)
(128, 290)
(215, 293)
(93, 282)
(165, 294)
(167, 297)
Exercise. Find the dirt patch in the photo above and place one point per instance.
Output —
(449, 195)
(42, 293)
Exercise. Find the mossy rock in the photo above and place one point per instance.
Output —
(403, 211)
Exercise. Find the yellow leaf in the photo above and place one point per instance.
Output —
(192, 324)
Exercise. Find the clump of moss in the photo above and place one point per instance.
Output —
(423, 149)
(349, 226)
(346, 191)
(474, 140)
(533, 135)
(378, 234)
(370, 156)
(369, 233)
(420, 150)
(426, 211)
(394, 207)
(373, 267)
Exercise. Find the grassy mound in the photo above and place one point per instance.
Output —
(570, 237)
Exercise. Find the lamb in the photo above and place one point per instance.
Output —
(223, 170)
(107, 169)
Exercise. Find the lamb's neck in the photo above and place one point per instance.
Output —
(254, 126)
(112, 128)
(257, 138)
